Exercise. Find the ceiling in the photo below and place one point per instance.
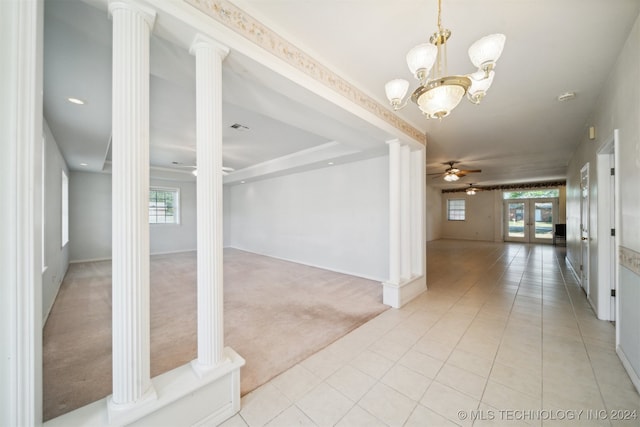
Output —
(520, 132)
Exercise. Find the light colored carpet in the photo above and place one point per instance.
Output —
(276, 314)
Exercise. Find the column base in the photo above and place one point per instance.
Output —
(398, 294)
(118, 412)
(183, 398)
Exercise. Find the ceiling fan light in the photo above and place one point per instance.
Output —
(420, 60)
(485, 52)
(451, 177)
(396, 90)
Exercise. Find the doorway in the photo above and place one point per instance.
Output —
(530, 220)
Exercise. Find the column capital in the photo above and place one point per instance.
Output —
(148, 14)
(203, 42)
(394, 141)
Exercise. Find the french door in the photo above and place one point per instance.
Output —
(530, 220)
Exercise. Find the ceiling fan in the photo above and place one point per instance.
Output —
(453, 173)
(225, 169)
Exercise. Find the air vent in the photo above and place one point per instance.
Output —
(238, 126)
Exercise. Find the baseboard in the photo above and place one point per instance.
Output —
(572, 268)
(633, 375)
(78, 261)
(323, 267)
(398, 294)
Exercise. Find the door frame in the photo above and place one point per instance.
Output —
(529, 222)
(608, 208)
(585, 242)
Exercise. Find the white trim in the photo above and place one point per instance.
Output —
(21, 128)
(633, 375)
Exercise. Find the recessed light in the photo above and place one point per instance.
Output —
(241, 182)
(84, 164)
(330, 163)
(75, 101)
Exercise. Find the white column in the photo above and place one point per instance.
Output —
(405, 212)
(209, 56)
(418, 236)
(394, 211)
(130, 194)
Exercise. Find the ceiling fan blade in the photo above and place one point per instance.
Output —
(436, 173)
(465, 172)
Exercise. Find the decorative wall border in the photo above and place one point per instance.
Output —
(244, 24)
(630, 259)
(509, 186)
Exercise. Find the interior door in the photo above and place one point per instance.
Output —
(584, 228)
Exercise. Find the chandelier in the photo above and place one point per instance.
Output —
(439, 93)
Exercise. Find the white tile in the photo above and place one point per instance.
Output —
(449, 403)
(324, 405)
(235, 421)
(470, 362)
(461, 380)
(295, 382)
(372, 364)
(406, 381)
(323, 363)
(388, 405)
(263, 404)
(505, 398)
(358, 417)
(422, 363)
(292, 416)
(521, 379)
(351, 382)
(422, 416)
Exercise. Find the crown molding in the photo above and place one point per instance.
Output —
(244, 24)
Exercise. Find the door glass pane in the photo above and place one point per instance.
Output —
(544, 220)
(516, 219)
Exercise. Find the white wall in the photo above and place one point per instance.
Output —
(618, 107)
(335, 218)
(90, 218)
(480, 216)
(56, 256)
(166, 238)
(433, 213)
(484, 215)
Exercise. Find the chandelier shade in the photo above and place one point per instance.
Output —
(485, 52)
(438, 93)
(396, 90)
(421, 58)
(439, 97)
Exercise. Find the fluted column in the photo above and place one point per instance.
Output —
(418, 236)
(209, 56)
(405, 212)
(130, 194)
(407, 240)
(394, 211)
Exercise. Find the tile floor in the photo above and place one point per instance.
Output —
(503, 336)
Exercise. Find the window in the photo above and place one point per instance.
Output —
(532, 194)
(164, 206)
(65, 209)
(455, 209)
